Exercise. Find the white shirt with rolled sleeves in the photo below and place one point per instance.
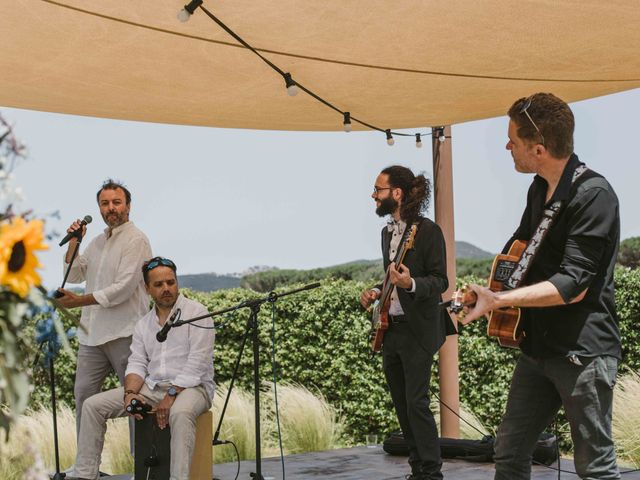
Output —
(184, 359)
(112, 268)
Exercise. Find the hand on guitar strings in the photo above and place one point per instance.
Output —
(476, 301)
(368, 297)
(400, 276)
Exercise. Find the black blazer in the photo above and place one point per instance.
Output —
(427, 262)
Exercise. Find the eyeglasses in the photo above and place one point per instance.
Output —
(377, 190)
(157, 261)
(523, 109)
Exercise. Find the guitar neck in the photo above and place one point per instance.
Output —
(387, 286)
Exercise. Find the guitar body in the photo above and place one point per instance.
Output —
(379, 325)
(504, 323)
(380, 317)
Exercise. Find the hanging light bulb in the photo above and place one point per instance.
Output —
(441, 136)
(347, 122)
(390, 140)
(292, 88)
(185, 14)
(418, 141)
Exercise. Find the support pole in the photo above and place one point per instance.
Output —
(443, 201)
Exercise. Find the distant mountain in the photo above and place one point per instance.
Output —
(264, 278)
(208, 282)
(467, 250)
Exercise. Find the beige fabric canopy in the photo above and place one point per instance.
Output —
(393, 64)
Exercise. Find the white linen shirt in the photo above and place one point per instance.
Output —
(184, 359)
(112, 268)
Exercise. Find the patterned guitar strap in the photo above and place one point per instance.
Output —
(523, 265)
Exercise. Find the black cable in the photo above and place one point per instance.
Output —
(309, 92)
(275, 382)
(557, 444)
(238, 457)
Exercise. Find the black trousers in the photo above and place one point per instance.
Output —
(407, 368)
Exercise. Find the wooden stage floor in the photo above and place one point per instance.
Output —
(362, 463)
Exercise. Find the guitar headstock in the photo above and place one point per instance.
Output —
(411, 237)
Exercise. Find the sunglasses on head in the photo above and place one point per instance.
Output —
(525, 106)
(159, 261)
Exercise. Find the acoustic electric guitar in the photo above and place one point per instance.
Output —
(504, 323)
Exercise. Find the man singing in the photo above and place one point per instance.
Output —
(115, 297)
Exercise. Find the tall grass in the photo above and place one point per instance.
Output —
(238, 425)
(626, 418)
(308, 422)
(470, 425)
(35, 429)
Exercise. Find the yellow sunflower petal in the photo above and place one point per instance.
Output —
(19, 240)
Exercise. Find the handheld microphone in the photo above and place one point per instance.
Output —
(85, 221)
(161, 336)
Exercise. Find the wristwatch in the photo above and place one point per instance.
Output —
(172, 392)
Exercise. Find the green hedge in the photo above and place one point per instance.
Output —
(322, 343)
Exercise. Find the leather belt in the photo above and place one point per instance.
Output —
(395, 319)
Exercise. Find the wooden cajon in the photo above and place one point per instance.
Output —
(202, 461)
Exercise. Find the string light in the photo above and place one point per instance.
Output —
(293, 86)
(185, 14)
(347, 122)
(390, 140)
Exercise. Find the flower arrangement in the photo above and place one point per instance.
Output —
(21, 296)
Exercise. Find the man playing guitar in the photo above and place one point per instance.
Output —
(571, 342)
(417, 326)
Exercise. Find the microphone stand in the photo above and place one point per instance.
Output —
(251, 329)
(58, 475)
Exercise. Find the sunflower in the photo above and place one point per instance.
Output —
(18, 242)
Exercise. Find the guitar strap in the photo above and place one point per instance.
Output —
(526, 260)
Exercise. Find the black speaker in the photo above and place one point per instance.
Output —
(473, 450)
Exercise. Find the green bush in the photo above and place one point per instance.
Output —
(629, 252)
(321, 342)
(478, 267)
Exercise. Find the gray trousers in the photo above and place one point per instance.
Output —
(94, 364)
(538, 388)
(188, 406)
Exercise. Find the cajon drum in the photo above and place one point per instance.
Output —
(150, 441)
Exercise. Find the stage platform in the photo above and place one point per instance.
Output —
(362, 463)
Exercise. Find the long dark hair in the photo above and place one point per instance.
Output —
(416, 191)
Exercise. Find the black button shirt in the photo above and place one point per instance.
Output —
(579, 252)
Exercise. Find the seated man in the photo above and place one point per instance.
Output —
(175, 377)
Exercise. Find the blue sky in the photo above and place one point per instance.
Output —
(223, 200)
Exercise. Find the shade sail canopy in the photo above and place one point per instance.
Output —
(395, 65)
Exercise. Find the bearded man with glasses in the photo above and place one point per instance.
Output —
(175, 377)
(571, 345)
(417, 325)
